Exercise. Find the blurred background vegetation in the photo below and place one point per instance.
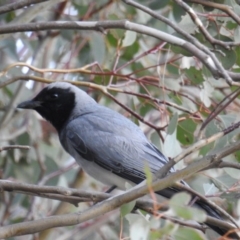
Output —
(170, 91)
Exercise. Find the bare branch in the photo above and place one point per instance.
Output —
(11, 147)
(114, 202)
(208, 59)
(30, 188)
(200, 25)
(190, 38)
(221, 106)
(17, 5)
(222, 7)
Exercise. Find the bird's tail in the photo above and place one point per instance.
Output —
(212, 212)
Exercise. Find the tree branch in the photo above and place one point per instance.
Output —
(222, 72)
(17, 5)
(113, 202)
(208, 59)
(11, 147)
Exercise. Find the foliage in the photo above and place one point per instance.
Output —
(173, 67)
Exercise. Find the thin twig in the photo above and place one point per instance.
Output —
(17, 5)
(11, 147)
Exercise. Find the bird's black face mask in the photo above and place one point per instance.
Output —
(54, 104)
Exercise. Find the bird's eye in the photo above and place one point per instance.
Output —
(53, 96)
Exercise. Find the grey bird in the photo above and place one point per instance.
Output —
(107, 145)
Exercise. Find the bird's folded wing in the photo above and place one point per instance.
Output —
(120, 152)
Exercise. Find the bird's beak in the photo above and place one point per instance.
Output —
(32, 104)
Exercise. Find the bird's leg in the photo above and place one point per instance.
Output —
(108, 191)
(111, 189)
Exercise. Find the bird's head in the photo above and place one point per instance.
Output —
(58, 102)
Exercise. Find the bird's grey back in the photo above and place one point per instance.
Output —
(112, 141)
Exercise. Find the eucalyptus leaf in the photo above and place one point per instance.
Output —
(172, 124)
(139, 227)
(127, 208)
(171, 145)
(178, 204)
(129, 38)
(189, 233)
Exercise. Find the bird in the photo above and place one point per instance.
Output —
(107, 145)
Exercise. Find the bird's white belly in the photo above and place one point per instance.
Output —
(101, 174)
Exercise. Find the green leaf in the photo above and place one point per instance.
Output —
(172, 124)
(103, 79)
(178, 204)
(98, 48)
(117, 33)
(9, 47)
(136, 66)
(171, 144)
(156, 4)
(24, 139)
(51, 166)
(238, 55)
(175, 98)
(206, 94)
(237, 155)
(173, 69)
(231, 25)
(211, 129)
(155, 139)
(228, 119)
(194, 75)
(234, 173)
(179, 50)
(148, 174)
(130, 51)
(139, 227)
(227, 57)
(127, 208)
(112, 40)
(187, 24)
(209, 188)
(81, 7)
(181, 199)
(10, 16)
(185, 131)
(27, 171)
(184, 233)
(129, 38)
(178, 12)
(168, 229)
(206, 149)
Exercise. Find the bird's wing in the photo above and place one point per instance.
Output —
(119, 146)
(113, 145)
